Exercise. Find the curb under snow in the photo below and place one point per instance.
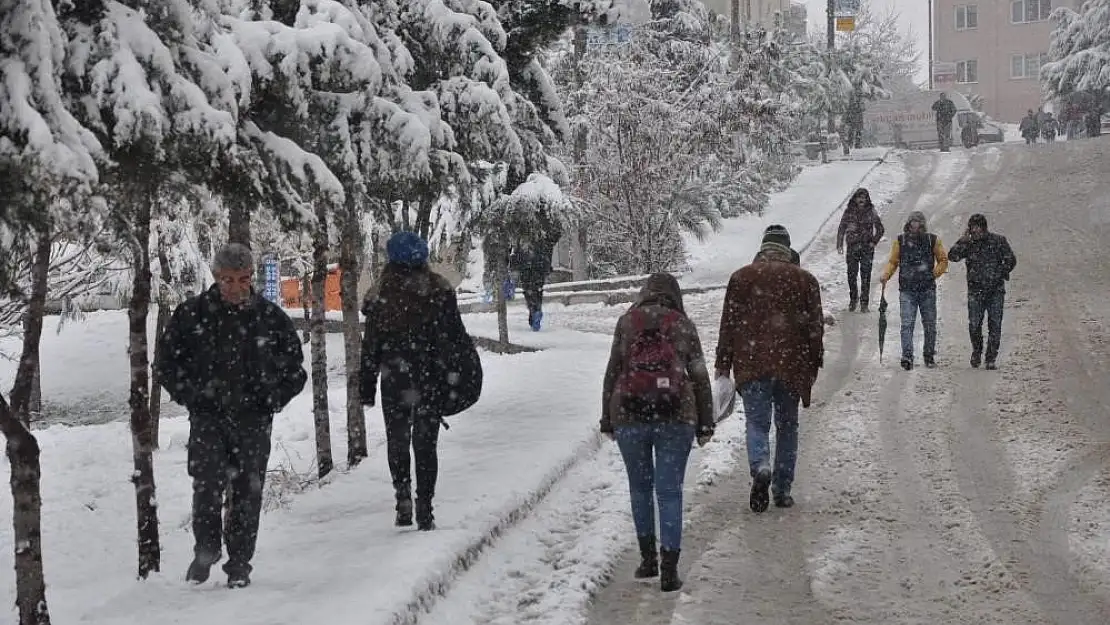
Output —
(439, 584)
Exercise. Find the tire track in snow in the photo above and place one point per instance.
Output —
(1033, 534)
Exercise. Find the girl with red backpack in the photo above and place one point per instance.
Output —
(656, 400)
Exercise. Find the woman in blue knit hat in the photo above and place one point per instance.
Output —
(410, 317)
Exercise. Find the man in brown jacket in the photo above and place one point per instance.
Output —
(772, 342)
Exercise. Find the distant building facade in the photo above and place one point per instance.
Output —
(994, 49)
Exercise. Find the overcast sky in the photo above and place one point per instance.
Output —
(914, 14)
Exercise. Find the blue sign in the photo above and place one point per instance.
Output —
(272, 279)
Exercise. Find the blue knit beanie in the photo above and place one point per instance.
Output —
(407, 248)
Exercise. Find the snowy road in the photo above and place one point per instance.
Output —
(938, 496)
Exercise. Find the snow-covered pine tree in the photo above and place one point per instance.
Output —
(1079, 52)
(47, 162)
(133, 80)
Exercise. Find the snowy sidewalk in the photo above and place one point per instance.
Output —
(326, 555)
(815, 197)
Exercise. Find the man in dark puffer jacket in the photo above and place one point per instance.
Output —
(233, 359)
(989, 263)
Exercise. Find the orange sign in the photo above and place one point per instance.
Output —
(845, 24)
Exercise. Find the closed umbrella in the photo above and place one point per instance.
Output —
(882, 322)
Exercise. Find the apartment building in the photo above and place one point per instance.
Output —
(993, 49)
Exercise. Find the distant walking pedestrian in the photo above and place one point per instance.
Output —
(1028, 127)
(411, 319)
(532, 258)
(862, 229)
(656, 400)
(920, 259)
(233, 359)
(772, 344)
(990, 260)
(944, 110)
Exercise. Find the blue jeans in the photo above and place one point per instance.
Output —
(656, 476)
(763, 399)
(910, 302)
(988, 304)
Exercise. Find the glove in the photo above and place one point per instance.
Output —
(705, 434)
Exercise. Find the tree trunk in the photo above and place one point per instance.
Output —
(23, 454)
(350, 267)
(320, 346)
(139, 399)
(23, 389)
(306, 306)
(36, 394)
(26, 484)
(501, 273)
(238, 222)
(164, 313)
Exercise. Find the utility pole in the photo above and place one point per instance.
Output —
(831, 25)
(930, 45)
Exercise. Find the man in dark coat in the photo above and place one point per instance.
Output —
(233, 359)
(945, 110)
(989, 263)
(532, 259)
(862, 229)
(772, 343)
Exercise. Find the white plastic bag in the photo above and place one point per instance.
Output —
(724, 398)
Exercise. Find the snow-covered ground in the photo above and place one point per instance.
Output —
(332, 550)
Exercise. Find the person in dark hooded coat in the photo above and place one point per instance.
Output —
(413, 312)
(655, 444)
(862, 229)
(990, 260)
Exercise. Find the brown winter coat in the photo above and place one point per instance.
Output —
(660, 295)
(772, 325)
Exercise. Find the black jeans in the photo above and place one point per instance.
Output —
(988, 304)
(860, 259)
(413, 428)
(228, 451)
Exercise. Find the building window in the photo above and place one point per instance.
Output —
(967, 71)
(1025, 11)
(1027, 65)
(967, 17)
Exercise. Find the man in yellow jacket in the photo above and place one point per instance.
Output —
(920, 259)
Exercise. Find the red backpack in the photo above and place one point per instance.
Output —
(651, 383)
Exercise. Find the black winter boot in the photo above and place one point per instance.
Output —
(425, 520)
(404, 512)
(668, 570)
(649, 558)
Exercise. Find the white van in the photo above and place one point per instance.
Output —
(908, 120)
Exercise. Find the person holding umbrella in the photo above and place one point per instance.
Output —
(920, 259)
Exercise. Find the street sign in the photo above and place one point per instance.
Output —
(944, 72)
(846, 8)
(619, 34)
(271, 278)
(845, 24)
